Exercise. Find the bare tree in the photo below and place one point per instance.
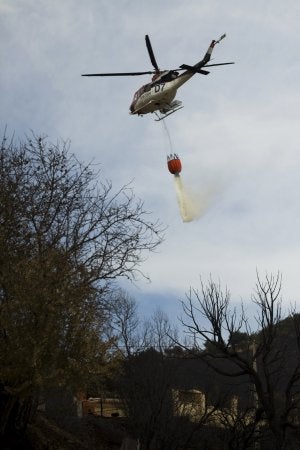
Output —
(163, 333)
(268, 359)
(64, 236)
(240, 427)
(124, 326)
(132, 334)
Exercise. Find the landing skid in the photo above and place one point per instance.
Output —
(165, 115)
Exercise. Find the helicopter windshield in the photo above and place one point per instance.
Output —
(141, 91)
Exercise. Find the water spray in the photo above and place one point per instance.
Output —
(187, 206)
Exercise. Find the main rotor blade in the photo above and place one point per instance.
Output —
(219, 64)
(193, 69)
(151, 54)
(116, 74)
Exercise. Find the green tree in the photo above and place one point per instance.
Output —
(64, 237)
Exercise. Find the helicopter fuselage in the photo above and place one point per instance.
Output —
(158, 95)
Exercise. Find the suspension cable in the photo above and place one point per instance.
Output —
(168, 135)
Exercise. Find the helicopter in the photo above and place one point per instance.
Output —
(158, 95)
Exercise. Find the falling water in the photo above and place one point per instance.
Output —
(191, 206)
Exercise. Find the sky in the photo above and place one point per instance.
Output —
(237, 135)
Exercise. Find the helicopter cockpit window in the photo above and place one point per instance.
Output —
(145, 88)
(139, 92)
(142, 90)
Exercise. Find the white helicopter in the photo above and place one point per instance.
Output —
(158, 96)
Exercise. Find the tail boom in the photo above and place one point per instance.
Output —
(207, 55)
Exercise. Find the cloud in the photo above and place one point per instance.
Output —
(237, 135)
